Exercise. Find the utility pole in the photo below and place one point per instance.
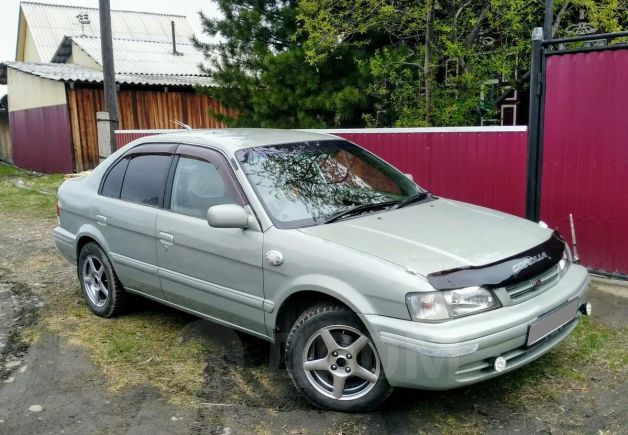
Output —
(111, 100)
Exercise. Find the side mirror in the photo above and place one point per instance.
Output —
(227, 216)
(410, 176)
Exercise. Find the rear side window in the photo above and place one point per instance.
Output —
(113, 183)
(145, 179)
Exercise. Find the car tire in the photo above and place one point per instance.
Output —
(328, 355)
(100, 285)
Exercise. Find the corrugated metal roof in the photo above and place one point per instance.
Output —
(75, 73)
(138, 57)
(50, 23)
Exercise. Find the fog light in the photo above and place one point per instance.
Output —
(586, 308)
(499, 364)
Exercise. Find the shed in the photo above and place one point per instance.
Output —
(55, 85)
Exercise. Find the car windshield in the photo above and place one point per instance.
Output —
(307, 183)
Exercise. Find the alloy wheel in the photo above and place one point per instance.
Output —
(95, 281)
(341, 362)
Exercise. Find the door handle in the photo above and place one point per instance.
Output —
(166, 237)
(102, 220)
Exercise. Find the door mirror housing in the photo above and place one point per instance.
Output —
(410, 176)
(227, 216)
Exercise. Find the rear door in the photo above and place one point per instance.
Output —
(131, 195)
(213, 271)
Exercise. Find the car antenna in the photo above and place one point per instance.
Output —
(181, 124)
(576, 258)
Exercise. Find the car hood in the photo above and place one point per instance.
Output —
(436, 235)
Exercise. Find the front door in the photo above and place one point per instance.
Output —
(213, 271)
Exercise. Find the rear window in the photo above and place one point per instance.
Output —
(113, 183)
(145, 179)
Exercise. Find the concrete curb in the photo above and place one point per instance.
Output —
(615, 287)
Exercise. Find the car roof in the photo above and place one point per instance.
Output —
(232, 139)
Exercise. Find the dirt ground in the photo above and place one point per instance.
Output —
(52, 382)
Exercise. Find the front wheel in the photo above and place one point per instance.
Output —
(333, 361)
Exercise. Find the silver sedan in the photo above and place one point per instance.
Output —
(361, 279)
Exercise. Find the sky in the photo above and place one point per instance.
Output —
(9, 16)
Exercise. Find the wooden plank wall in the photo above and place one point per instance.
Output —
(5, 139)
(139, 109)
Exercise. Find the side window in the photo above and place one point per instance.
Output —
(198, 185)
(113, 183)
(145, 179)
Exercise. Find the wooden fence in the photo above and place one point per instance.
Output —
(5, 139)
(138, 109)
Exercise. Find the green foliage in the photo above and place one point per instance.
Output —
(472, 42)
(324, 63)
(260, 70)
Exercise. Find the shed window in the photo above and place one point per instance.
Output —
(145, 179)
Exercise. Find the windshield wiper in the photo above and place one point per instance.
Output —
(417, 197)
(357, 210)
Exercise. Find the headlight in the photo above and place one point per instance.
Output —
(443, 305)
(470, 300)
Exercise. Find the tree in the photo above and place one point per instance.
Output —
(430, 60)
(259, 67)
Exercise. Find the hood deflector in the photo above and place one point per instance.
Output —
(503, 272)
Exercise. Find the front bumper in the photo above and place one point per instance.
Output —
(440, 356)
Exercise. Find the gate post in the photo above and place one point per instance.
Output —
(535, 139)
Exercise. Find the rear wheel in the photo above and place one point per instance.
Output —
(101, 288)
(333, 361)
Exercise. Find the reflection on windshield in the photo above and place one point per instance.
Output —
(303, 183)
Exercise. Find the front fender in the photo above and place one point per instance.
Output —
(324, 284)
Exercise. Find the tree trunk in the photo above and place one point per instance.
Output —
(429, 35)
(473, 35)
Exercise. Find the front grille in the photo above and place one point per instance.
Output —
(534, 285)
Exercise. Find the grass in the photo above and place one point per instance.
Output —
(35, 196)
(590, 349)
(139, 348)
(593, 355)
(454, 424)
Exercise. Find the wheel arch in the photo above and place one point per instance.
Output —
(89, 234)
(292, 306)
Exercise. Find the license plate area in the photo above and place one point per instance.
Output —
(551, 322)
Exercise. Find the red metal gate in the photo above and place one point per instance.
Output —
(585, 153)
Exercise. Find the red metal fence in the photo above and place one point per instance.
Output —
(481, 165)
(41, 139)
(585, 154)
(123, 137)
